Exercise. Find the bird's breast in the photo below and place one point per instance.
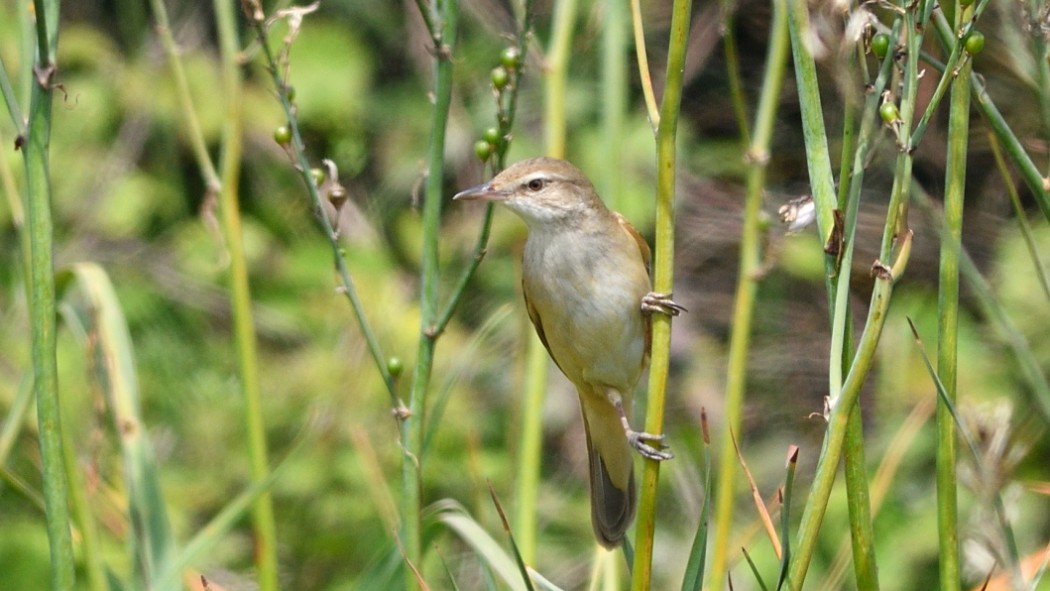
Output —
(587, 291)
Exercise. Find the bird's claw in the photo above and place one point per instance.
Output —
(662, 303)
(639, 441)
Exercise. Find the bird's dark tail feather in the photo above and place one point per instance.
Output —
(612, 508)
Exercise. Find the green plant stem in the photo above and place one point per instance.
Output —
(265, 530)
(736, 86)
(530, 454)
(831, 452)
(952, 68)
(843, 400)
(614, 105)
(1036, 182)
(302, 164)
(412, 426)
(1021, 216)
(182, 92)
(748, 278)
(42, 297)
(507, 108)
(854, 154)
(556, 75)
(643, 65)
(1012, 555)
(663, 282)
(858, 500)
(948, 317)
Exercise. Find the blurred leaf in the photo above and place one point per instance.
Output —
(453, 516)
(91, 305)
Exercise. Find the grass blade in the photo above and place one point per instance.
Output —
(696, 565)
(785, 514)
(513, 546)
(754, 570)
(455, 518)
(95, 307)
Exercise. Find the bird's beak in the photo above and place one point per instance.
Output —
(485, 192)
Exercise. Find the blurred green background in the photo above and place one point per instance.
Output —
(128, 195)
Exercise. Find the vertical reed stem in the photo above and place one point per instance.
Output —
(42, 296)
(663, 281)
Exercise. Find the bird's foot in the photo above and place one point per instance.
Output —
(662, 303)
(640, 441)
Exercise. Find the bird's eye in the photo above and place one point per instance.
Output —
(535, 184)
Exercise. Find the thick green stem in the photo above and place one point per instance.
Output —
(948, 316)
(862, 535)
(858, 500)
(663, 282)
(412, 427)
(746, 289)
(240, 296)
(42, 297)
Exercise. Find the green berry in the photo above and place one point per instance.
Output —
(510, 58)
(889, 113)
(974, 43)
(483, 150)
(318, 176)
(395, 366)
(289, 91)
(880, 45)
(500, 77)
(282, 135)
(491, 135)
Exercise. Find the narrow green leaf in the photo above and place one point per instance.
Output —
(93, 305)
(754, 570)
(455, 518)
(696, 565)
(513, 546)
(785, 515)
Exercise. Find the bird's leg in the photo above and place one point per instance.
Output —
(639, 439)
(662, 303)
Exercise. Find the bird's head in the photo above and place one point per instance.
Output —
(541, 191)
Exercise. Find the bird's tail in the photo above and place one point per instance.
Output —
(612, 473)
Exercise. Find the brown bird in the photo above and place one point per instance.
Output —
(585, 277)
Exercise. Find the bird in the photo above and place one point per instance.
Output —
(587, 289)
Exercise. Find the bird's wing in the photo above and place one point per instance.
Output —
(646, 254)
(643, 246)
(537, 322)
